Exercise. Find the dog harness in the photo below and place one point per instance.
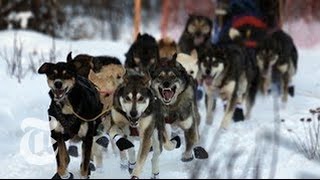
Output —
(69, 108)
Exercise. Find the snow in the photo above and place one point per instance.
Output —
(25, 140)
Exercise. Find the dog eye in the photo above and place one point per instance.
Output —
(140, 99)
(191, 72)
(191, 29)
(205, 29)
(118, 77)
(127, 98)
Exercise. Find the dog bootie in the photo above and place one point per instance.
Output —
(238, 114)
(68, 176)
(103, 141)
(92, 167)
(291, 91)
(178, 140)
(73, 151)
(122, 143)
(199, 94)
(155, 176)
(131, 167)
(185, 159)
(200, 153)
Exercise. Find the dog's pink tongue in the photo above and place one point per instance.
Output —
(208, 81)
(59, 92)
(168, 94)
(198, 40)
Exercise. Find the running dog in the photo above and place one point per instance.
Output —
(176, 90)
(74, 111)
(227, 74)
(136, 109)
(143, 54)
(190, 63)
(106, 74)
(277, 59)
(167, 47)
(197, 33)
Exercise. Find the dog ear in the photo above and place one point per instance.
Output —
(128, 72)
(92, 76)
(139, 35)
(146, 78)
(45, 68)
(69, 57)
(174, 57)
(194, 54)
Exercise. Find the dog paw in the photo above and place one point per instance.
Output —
(178, 140)
(103, 141)
(238, 115)
(131, 167)
(124, 144)
(92, 167)
(291, 91)
(155, 176)
(69, 176)
(187, 159)
(200, 153)
(199, 94)
(73, 151)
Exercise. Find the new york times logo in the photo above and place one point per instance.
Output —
(36, 143)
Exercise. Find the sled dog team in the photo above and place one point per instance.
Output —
(99, 101)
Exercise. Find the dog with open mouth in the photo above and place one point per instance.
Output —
(136, 110)
(176, 90)
(71, 116)
(227, 73)
(106, 74)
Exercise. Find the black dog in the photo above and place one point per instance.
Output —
(143, 53)
(277, 60)
(197, 34)
(75, 106)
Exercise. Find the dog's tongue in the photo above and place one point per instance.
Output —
(59, 93)
(198, 40)
(167, 94)
(208, 80)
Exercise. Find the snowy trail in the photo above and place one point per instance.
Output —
(30, 100)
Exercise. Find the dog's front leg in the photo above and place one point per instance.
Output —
(155, 155)
(86, 152)
(228, 93)
(62, 156)
(145, 145)
(285, 87)
(211, 105)
(132, 157)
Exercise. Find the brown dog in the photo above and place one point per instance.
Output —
(167, 47)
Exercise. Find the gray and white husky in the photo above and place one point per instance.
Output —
(136, 109)
(176, 90)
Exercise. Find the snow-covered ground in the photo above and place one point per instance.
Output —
(26, 151)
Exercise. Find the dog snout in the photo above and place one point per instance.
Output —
(133, 114)
(198, 33)
(166, 84)
(208, 72)
(58, 84)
